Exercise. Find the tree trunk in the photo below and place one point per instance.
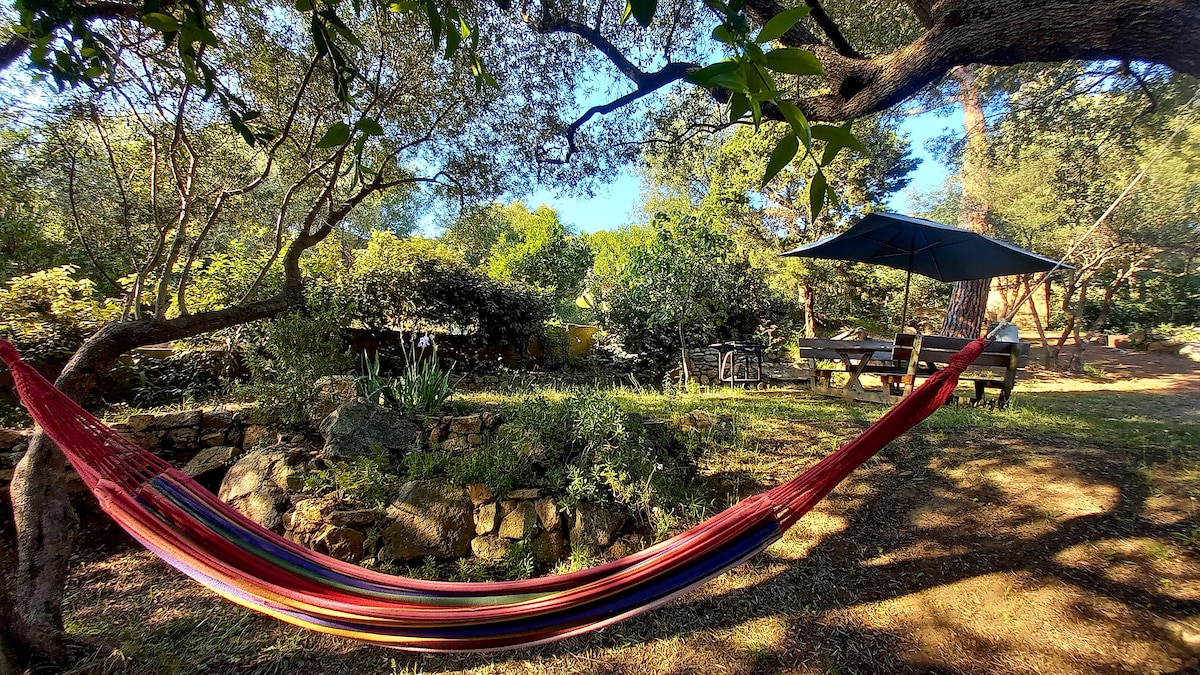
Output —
(1105, 308)
(968, 300)
(45, 522)
(46, 528)
(10, 646)
(683, 355)
(809, 305)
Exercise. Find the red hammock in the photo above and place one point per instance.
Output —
(198, 534)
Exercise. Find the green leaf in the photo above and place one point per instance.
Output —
(161, 22)
(836, 138)
(453, 40)
(725, 74)
(435, 22)
(302, 5)
(196, 34)
(780, 24)
(781, 156)
(739, 105)
(369, 126)
(722, 33)
(337, 135)
(642, 10)
(816, 194)
(796, 118)
(794, 61)
(756, 113)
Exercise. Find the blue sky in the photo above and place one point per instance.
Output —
(614, 204)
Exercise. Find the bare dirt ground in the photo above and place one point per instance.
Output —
(998, 543)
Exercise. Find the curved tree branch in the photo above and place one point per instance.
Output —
(998, 33)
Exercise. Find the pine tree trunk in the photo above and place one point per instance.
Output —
(968, 304)
(968, 300)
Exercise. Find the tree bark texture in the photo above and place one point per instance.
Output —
(997, 33)
(809, 305)
(968, 300)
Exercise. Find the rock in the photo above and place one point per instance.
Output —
(210, 461)
(490, 547)
(257, 486)
(352, 517)
(217, 418)
(254, 436)
(520, 523)
(1190, 350)
(1164, 346)
(342, 543)
(357, 428)
(428, 518)
(480, 493)
(474, 440)
(594, 527)
(702, 423)
(330, 393)
(527, 493)
(11, 437)
(438, 434)
(487, 518)
(547, 512)
(139, 422)
(547, 547)
(146, 439)
(213, 439)
(470, 424)
(455, 444)
(174, 420)
(183, 438)
(491, 420)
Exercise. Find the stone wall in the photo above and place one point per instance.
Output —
(433, 518)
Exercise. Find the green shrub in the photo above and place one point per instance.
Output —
(48, 314)
(288, 354)
(371, 481)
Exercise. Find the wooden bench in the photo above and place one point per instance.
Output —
(924, 353)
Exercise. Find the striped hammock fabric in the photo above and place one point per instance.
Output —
(199, 535)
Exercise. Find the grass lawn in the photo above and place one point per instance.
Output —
(1060, 535)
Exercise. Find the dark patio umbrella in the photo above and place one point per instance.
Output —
(917, 245)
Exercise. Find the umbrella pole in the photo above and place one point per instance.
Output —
(907, 281)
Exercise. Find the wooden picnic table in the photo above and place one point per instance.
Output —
(857, 357)
(899, 364)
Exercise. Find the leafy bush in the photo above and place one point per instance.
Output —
(371, 481)
(48, 314)
(185, 375)
(585, 447)
(410, 283)
(286, 356)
